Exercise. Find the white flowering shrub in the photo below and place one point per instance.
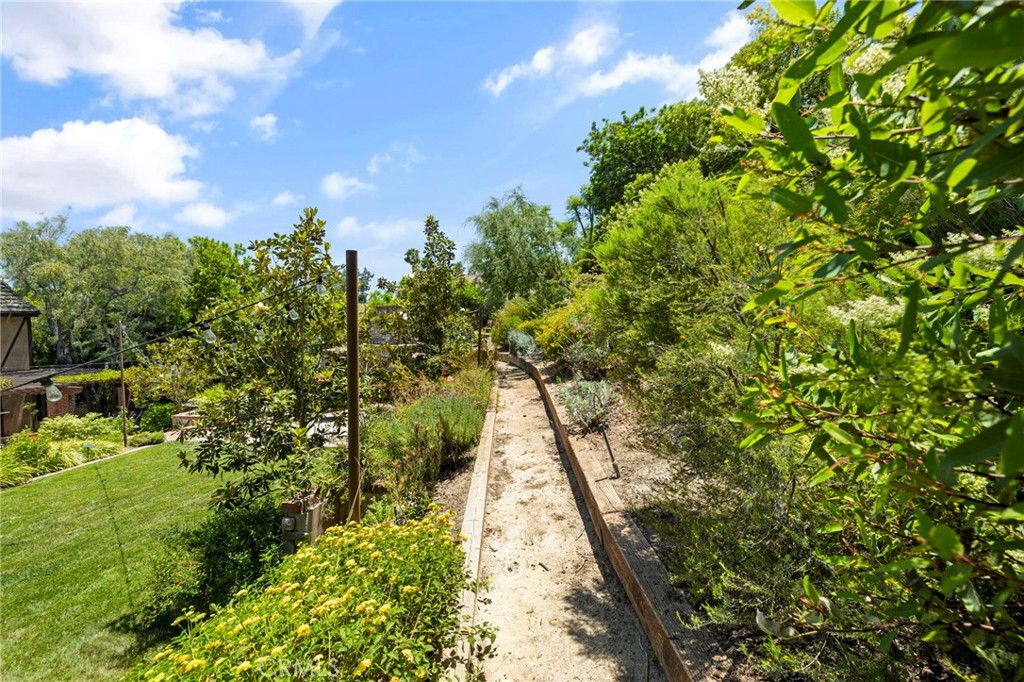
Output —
(731, 87)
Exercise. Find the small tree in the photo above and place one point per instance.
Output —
(281, 386)
(433, 295)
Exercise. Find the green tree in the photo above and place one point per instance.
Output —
(641, 143)
(517, 252)
(88, 282)
(218, 271)
(276, 363)
(432, 296)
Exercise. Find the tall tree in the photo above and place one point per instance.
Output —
(88, 282)
(517, 251)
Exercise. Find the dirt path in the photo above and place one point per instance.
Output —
(560, 611)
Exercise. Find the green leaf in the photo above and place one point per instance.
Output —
(863, 249)
(997, 320)
(1011, 460)
(933, 115)
(794, 203)
(812, 594)
(799, 12)
(798, 135)
(837, 434)
(821, 475)
(983, 446)
(945, 541)
(991, 44)
(889, 160)
(1009, 372)
(1012, 514)
(744, 122)
(909, 323)
(773, 294)
(834, 267)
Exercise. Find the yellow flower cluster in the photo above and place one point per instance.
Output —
(331, 604)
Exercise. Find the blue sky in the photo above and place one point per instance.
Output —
(225, 119)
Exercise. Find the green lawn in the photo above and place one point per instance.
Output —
(71, 550)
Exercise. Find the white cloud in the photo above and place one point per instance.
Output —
(204, 126)
(590, 44)
(382, 231)
(285, 198)
(210, 16)
(677, 79)
(340, 186)
(91, 165)
(265, 126)
(137, 50)
(541, 63)
(205, 214)
(377, 162)
(312, 13)
(123, 215)
(585, 47)
(403, 155)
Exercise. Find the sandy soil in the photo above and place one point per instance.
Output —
(559, 609)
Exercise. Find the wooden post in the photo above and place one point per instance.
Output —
(124, 398)
(352, 356)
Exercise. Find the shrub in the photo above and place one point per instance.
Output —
(508, 318)
(204, 564)
(573, 335)
(151, 438)
(13, 471)
(408, 447)
(586, 402)
(157, 417)
(374, 601)
(27, 448)
(521, 343)
(69, 453)
(90, 427)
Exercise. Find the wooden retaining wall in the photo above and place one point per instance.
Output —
(684, 653)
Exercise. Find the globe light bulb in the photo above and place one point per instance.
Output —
(321, 288)
(261, 334)
(208, 335)
(53, 393)
(293, 314)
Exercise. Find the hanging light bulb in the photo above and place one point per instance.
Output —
(261, 334)
(321, 288)
(293, 314)
(53, 393)
(208, 334)
(234, 347)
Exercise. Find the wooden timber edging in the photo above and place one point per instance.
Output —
(635, 562)
(476, 503)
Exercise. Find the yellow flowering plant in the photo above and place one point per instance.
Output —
(360, 604)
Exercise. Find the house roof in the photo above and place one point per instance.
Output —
(12, 304)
